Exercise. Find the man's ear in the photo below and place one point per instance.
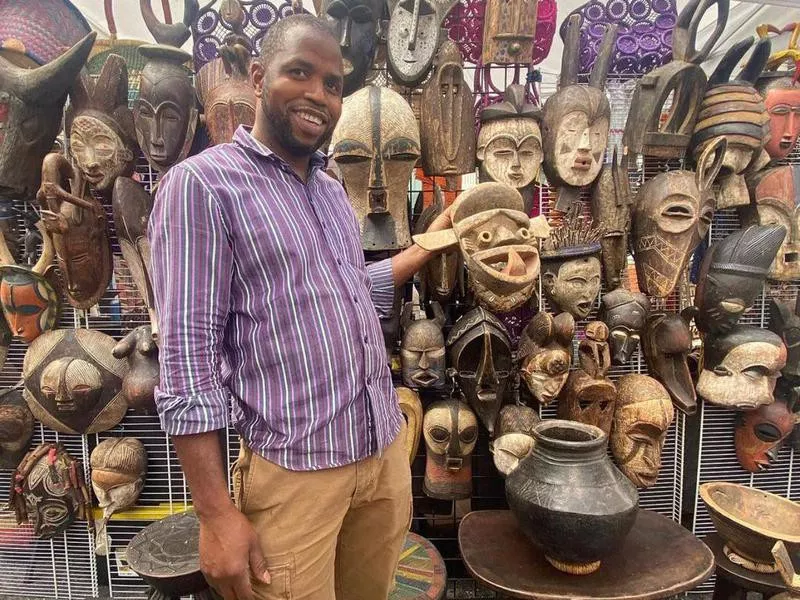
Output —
(257, 74)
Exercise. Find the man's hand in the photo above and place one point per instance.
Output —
(443, 221)
(229, 553)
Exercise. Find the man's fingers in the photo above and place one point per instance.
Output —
(258, 565)
(243, 588)
(225, 590)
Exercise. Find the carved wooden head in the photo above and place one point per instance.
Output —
(545, 353)
(761, 433)
(509, 31)
(16, 428)
(666, 343)
(450, 430)
(588, 399)
(422, 352)
(625, 313)
(781, 93)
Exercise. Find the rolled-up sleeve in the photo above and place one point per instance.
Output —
(382, 287)
(191, 269)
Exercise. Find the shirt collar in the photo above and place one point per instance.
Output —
(244, 138)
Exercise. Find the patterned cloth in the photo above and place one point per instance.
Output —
(263, 296)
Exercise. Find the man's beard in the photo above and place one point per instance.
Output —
(282, 130)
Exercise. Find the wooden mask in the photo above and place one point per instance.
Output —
(413, 37)
(576, 119)
(611, 208)
(439, 276)
(571, 266)
(357, 26)
(73, 384)
(171, 34)
(785, 321)
(545, 353)
(672, 213)
(142, 377)
(732, 276)
(16, 428)
(422, 353)
(480, 352)
(645, 133)
(642, 417)
(509, 30)
(102, 138)
(776, 195)
(510, 141)
(376, 145)
(450, 430)
(447, 117)
(411, 407)
(164, 113)
(740, 367)
(666, 344)
(625, 313)
(516, 418)
(498, 243)
(733, 109)
(77, 223)
(119, 467)
(514, 436)
(31, 110)
(781, 93)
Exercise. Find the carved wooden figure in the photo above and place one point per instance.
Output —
(684, 78)
(611, 208)
(450, 430)
(447, 124)
(422, 353)
(16, 428)
(77, 224)
(781, 93)
(576, 119)
(142, 377)
(625, 313)
(171, 34)
(784, 320)
(666, 343)
(545, 353)
(642, 417)
(411, 407)
(672, 213)
(376, 145)
(509, 30)
(440, 275)
(514, 436)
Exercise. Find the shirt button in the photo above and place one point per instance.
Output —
(365, 339)
(355, 300)
(338, 261)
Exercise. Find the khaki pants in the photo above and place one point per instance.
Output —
(334, 534)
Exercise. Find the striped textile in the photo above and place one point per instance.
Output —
(263, 297)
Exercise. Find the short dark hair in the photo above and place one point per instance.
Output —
(275, 38)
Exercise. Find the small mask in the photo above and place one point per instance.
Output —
(776, 193)
(411, 407)
(740, 368)
(376, 145)
(576, 119)
(785, 321)
(672, 213)
(72, 381)
(545, 353)
(48, 489)
(422, 349)
(666, 344)
(734, 110)
(510, 141)
(77, 223)
(642, 417)
(356, 24)
(447, 117)
(611, 208)
(571, 265)
(164, 113)
(732, 276)
(439, 276)
(16, 428)
(509, 29)
(781, 95)
(142, 376)
(119, 467)
(450, 430)
(625, 313)
(480, 353)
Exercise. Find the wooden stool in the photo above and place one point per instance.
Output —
(420, 573)
(658, 559)
(734, 581)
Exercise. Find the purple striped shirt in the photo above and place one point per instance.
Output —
(263, 298)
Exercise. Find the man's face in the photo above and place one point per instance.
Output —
(300, 93)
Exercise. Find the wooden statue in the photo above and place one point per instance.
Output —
(784, 320)
(171, 34)
(509, 30)
(545, 353)
(450, 430)
(625, 313)
(142, 377)
(422, 349)
(411, 407)
(611, 208)
(16, 428)
(440, 275)
(666, 343)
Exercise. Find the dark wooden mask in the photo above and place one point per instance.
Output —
(545, 353)
(611, 208)
(16, 428)
(171, 34)
(666, 343)
(73, 384)
(785, 321)
(422, 353)
(450, 430)
(440, 275)
(77, 223)
(625, 313)
(509, 30)
(684, 78)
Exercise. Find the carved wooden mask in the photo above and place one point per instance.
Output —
(357, 25)
(142, 377)
(31, 110)
(77, 223)
(73, 383)
(642, 417)
(785, 321)
(510, 141)
(645, 133)
(666, 343)
(625, 313)
(413, 37)
(376, 145)
(447, 117)
(732, 276)
(776, 196)
(781, 95)
(450, 430)
(611, 208)
(672, 213)
(480, 352)
(439, 276)
(545, 352)
(102, 138)
(411, 407)
(422, 353)
(16, 428)
(516, 418)
(576, 118)
(509, 30)
(164, 113)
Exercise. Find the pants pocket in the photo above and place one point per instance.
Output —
(281, 572)
(242, 478)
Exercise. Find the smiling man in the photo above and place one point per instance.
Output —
(265, 304)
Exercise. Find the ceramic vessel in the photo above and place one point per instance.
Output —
(568, 497)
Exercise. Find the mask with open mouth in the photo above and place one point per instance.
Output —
(625, 313)
(545, 353)
(480, 352)
(450, 430)
(356, 24)
(422, 353)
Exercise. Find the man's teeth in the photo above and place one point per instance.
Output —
(310, 118)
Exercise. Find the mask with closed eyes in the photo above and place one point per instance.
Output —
(450, 430)
(545, 353)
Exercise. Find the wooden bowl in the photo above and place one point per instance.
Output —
(751, 520)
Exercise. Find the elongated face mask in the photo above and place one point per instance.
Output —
(356, 24)
(450, 430)
(422, 353)
(782, 101)
(611, 210)
(625, 313)
(666, 343)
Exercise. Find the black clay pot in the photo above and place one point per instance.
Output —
(568, 497)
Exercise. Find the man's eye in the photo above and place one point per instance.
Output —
(298, 72)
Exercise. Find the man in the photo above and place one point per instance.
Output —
(263, 297)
